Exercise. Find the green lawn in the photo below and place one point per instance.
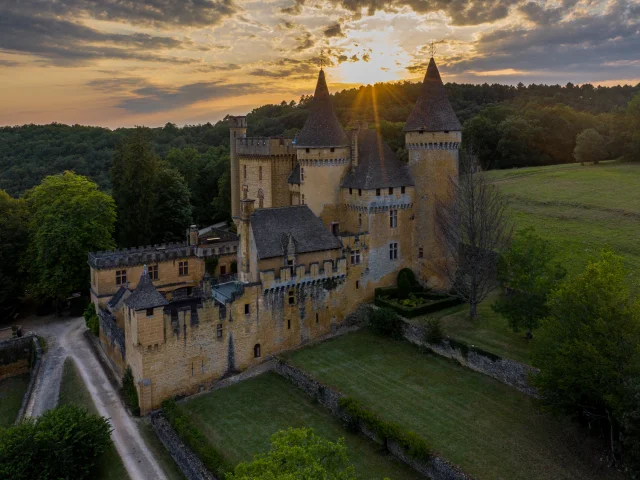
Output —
(171, 470)
(12, 391)
(74, 392)
(579, 208)
(239, 420)
(489, 331)
(489, 429)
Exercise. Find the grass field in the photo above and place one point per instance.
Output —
(579, 208)
(239, 420)
(12, 391)
(490, 430)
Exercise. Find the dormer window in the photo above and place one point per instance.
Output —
(402, 190)
(377, 192)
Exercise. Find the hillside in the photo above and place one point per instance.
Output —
(579, 208)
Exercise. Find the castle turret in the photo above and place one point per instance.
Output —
(433, 134)
(237, 129)
(323, 152)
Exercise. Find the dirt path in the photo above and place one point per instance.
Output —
(66, 338)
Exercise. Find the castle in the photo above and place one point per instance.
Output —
(322, 220)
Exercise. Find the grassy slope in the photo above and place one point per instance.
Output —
(240, 420)
(490, 430)
(74, 392)
(12, 391)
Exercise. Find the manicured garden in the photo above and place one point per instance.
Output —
(239, 421)
(12, 391)
(489, 429)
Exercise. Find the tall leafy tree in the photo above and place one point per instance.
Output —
(68, 218)
(590, 147)
(298, 454)
(528, 274)
(133, 177)
(588, 348)
(14, 238)
(171, 210)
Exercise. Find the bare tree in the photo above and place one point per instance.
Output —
(472, 228)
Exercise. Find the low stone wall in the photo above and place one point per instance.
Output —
(436, 468)
(15, 356)
(507, 371)
(113, 342)
(36, 360)
(191, 466)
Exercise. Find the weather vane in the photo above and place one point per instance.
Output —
(321, 59)
(432, 49)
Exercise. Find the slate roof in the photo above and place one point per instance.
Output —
(378, 165)
(116, 297)
(294, 176)
(272, 227)
(145, 295)
(322, 128)
(432, 112)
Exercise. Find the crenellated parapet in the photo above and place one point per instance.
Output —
(264, 146)
(376, 204)
(292, 277)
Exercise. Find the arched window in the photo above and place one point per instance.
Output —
(256, 350)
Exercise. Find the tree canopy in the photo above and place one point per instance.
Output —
(14, 239)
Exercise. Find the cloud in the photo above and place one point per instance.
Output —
(304, 42)
(287, 67)
(334, 31)
(158, 13)
(151, 98)
(295, 9)
(9, 63)
(62, 42)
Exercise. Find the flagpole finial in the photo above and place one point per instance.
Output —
(321, 59)
(432, 49)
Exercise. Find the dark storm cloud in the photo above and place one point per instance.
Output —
(152, 98)
(304, 42)
(585, 43)
(63, 42)
(288, 67)
(160, 13)
(334, 31)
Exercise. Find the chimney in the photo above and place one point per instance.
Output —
(192, 235)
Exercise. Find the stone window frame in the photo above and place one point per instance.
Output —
(153, 272)
(355, 257)
(393, 218)
(403, 190)
(260, 172)
(256, 351)
(393, 251)
(291, 295)
(183, 268)
(390, 190)
(150, 312)
(219, 331)
(357, 284)
(121, 277)
(244, 171)
(420, 252)
(247, 309)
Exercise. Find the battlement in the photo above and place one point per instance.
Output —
(264, 146)
(301, 274)
(237, 121)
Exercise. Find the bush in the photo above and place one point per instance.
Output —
(195, 439)
(385, 322)
(91, 319)
(414, 445)
(408, 273)
(65, 442)
(433, 331)
(130, 392)
(210, 265)
(404, 285)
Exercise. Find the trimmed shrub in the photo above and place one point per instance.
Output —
(433, 331)
(385, 322)
(130, 392)
(210, 265)
(404, 285)
(195, 439)
(386, 431)
(65, 442)
(407, 272)
(91, 319)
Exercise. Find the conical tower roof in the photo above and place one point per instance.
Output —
(322, 128)
(432, 112)
(145, 295)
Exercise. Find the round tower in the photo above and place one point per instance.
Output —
(237, 129)
(323, 152)
(433, 134)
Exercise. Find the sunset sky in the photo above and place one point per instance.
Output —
(147, 62)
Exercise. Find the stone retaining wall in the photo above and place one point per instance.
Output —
(36, 357)
(507, 371)
(191, 466)
(436, 468)
(15, 356)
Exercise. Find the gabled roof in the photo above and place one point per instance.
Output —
(432, 112)
(322, 128)
(294, 176)
(272, 228)
(117, 297)
(145, 295)
(378, 165)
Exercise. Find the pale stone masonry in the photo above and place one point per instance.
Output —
(322, 220)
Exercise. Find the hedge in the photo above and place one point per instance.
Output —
(410, 312)
(195, 439)
(413, 444)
